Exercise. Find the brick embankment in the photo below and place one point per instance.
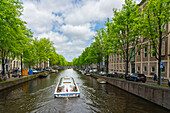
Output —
(157, 95)
(10, 82)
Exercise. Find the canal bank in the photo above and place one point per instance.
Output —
(37, 96)
(157, 95)
(16, 81)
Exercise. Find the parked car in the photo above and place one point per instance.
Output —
(136, 77)
(90, 71)
(94, 70)
(48, 69)
(112, 74)
(35, 71)
(16, 75)
(102, 73)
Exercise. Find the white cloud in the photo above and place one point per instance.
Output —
(92, 10)
(69, 24)
(82, 32)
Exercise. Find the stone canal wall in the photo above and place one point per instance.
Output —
(7, 84)
(157, 95)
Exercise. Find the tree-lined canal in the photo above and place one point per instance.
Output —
(37, 96)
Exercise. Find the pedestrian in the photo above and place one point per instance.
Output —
(155, 77)
(8, 74)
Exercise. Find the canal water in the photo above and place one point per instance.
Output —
(37, 96)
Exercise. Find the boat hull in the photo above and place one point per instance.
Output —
(42, 76)
(67, 95)
(101, 81)
(66, 87)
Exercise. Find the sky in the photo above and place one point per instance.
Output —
(69, 24)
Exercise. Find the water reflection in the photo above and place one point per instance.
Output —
(37, 96)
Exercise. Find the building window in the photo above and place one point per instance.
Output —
(114, 67)
(120, 57)
(138, 68)
(145, 52)
(153, 55)
(163, 69)
(152, 69)
(117, 57)
(138, 53)
(145, 69)
(114, 57)
(118, 67)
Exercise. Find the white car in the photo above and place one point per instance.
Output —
(35, 71)
(102, 73)
(94, 70)
(90, 71)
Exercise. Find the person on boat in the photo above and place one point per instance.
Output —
(67, 89)
(74, 89)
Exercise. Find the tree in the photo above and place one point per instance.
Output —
(155, 19)
(11, 29)
(108, 42)
(97, 51)
(125, 28)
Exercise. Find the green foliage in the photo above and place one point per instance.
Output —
(15, 39)
(155, 18)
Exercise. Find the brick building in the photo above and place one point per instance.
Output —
(143, 62)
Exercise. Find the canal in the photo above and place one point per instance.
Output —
(37, 96)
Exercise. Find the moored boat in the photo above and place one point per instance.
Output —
(54, 71)
(43, 75)
(101, 80)
(66, 88)
(88, 74)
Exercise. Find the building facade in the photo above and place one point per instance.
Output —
(143, 62)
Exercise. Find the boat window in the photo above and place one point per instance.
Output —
(66, 78)
(66, 82)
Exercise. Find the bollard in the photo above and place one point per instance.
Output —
(169, 82)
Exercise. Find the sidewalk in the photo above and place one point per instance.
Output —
(13, 78)
(165, 81)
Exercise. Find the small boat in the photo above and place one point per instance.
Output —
(88, 74)
(43, 75)
(54, 71)
(66, 88)
(101, 80)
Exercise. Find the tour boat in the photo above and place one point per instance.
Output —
(66, 88)
(101, 80)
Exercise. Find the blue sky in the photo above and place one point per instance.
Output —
(70, 24)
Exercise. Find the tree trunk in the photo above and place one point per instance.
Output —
(37, 64)
(127, 61)
(159, 57)
(107, 63)
(44, 65)
(21, 65)
(99, 67)
(3, 66)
